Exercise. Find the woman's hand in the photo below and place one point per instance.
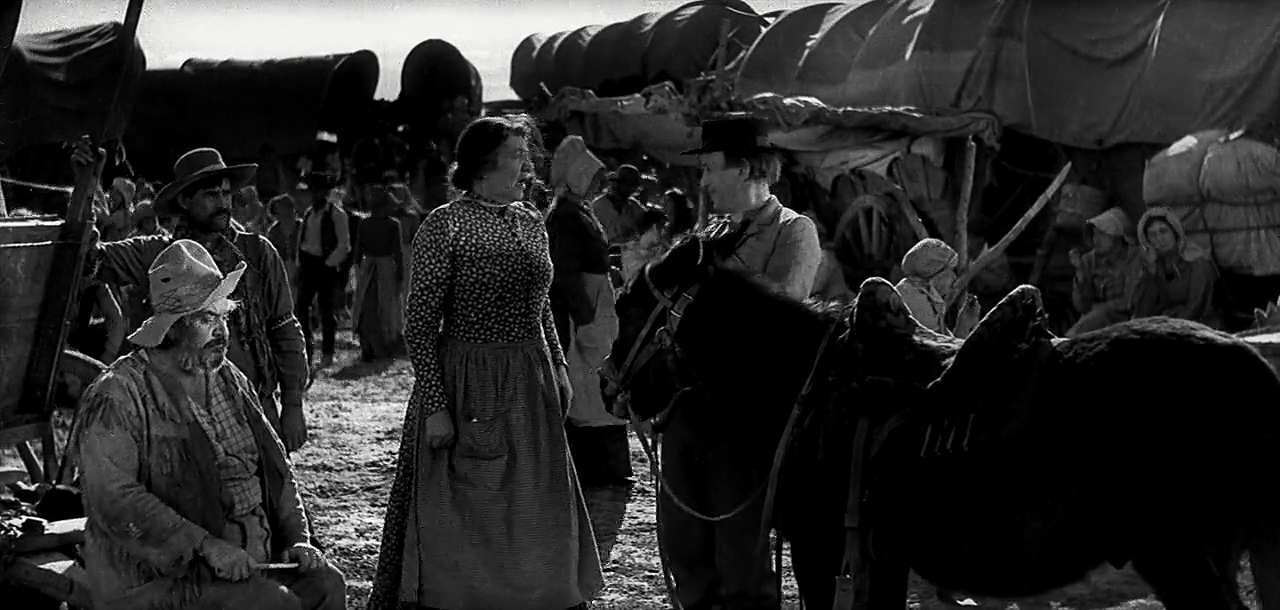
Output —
(566, 388)
(439, 429)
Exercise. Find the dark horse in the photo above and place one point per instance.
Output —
(1150, 442)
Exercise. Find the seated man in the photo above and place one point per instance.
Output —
(187, 491)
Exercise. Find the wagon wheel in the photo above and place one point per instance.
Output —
(865, 235)
(75, 372)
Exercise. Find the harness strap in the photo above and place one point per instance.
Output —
(780, 454)
(852, 591)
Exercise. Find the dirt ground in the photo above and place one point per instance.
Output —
(356, 411)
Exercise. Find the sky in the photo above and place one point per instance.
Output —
(486, 31)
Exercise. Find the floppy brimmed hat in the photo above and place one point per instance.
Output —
(196, 165)
(184, 279)
(739, 134)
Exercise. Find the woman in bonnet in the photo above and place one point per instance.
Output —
(582, 299)
(929, 270)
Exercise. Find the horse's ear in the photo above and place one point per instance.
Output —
(880, 310)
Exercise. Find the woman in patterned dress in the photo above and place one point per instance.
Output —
(485, 511)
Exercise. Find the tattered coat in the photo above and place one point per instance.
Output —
(152, 490)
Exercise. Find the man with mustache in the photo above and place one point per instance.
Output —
(265, 340)
(186, 488)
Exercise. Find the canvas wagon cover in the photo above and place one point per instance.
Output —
(1093, 73)
(917, 54)
(685, 40)
(238, 106)
(615, 56)
(1085, 73)
(523, 64)
(544, 61)
(836, 42)
(570, 55)
(770, 65)
(435, 73)
(58, 86)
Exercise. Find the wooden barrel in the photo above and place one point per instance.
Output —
(1268, 345)
(26, 257)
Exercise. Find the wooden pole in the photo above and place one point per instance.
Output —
(63, 287)
(10, 13)
(991, 254)
(966, 197)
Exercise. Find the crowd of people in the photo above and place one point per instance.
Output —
(503, 298)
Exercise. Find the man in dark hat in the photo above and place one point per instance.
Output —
(618, 210)
(721, 564)
(266, 341)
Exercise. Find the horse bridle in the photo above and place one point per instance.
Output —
(663, 338)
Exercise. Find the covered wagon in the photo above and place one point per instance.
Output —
(249, 110)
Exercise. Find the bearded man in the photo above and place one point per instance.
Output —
(265, 340)
(720, 564)
(187, 490)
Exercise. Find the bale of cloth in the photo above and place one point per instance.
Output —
(1225, 188)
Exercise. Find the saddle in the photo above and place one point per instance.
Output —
(984, 394)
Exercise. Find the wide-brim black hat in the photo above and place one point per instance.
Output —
(196, 165)
(740, 134)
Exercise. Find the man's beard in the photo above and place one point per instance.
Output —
(210, 357)
(217, 222)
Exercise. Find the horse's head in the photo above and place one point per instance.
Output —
(642, 363)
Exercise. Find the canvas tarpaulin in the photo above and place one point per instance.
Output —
(916, 55)
(544, 61)
(1085, 73)
(615, 56)
(1093, 73)
(1225, 188)
(239, 107)
(685, 40)
(524, 81)
(770, 65)
(435, 75)
(569, 58)
(58, 86)
(657, 121)
(836, 42)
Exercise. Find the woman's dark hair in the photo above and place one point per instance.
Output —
(682, 217)
(477, 149)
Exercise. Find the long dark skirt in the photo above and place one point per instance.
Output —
(497, 520)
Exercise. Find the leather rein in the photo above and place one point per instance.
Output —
(674, 305)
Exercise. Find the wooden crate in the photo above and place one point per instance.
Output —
(27, 249)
